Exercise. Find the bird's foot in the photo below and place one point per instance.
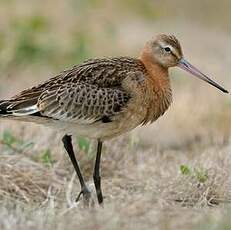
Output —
(87, 196)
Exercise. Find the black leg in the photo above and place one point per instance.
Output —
(96, 175)
(67, 142)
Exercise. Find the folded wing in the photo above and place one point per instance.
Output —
(84, 94)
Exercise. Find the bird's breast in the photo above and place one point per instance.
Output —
(150, 98)
(158, 101)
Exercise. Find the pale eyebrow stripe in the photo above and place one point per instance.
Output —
(164, 45)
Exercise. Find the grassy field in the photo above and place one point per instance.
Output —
(174, 174)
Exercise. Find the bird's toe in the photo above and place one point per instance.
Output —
(87, 196)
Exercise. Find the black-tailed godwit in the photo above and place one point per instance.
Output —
(103, 98)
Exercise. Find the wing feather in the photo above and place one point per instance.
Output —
(82, 103)
(85, 93)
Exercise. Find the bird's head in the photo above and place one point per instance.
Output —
(166, 51)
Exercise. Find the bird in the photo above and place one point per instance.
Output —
(102, 98)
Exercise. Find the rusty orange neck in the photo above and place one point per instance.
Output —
(158, 75)
(158, 87)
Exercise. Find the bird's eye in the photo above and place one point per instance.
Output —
(167, 49)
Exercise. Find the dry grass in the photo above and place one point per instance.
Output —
(147, 189)
(174, 174)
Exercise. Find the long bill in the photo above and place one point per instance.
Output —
(185, 65)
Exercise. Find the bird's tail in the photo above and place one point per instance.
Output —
(3, 108)
(20, 115)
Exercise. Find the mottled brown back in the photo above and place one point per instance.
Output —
(88, 91)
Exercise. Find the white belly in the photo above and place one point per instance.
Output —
(97, 130)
